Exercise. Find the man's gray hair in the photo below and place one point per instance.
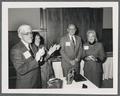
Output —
(22, 29)
(71, 25)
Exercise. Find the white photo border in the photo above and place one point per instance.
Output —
(5, 63)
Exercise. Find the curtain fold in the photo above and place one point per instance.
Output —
(54, 26)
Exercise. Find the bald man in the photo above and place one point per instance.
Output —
(71, 51)
(24, 60)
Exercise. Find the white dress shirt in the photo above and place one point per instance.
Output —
(73, 38)
(26, 44)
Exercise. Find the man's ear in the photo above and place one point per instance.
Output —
(67, 29)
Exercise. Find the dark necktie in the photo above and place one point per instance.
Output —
(30, 50)
(73, 42)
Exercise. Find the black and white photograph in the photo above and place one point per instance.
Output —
(60, 47)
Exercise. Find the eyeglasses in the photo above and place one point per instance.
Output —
(27, 33)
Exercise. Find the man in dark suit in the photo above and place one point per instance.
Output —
(24, 60)
(71, 51)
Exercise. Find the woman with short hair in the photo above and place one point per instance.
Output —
(94, 56)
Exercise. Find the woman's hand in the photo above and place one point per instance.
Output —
(87, 58)
(91, 57)
(40, 53)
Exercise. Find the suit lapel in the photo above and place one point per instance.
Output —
(71, 45)
(23, 48)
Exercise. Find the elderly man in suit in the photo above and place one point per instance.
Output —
(24, 60)
(71, 51)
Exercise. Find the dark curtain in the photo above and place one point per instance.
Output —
(84, 19)
(54, 25)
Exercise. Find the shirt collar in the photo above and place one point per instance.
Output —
(26, 44)
(71, 37)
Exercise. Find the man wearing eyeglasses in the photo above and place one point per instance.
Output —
(25, 61)
(71, 51)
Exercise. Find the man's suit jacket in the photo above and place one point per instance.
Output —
(26, 67)
(68, 53)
